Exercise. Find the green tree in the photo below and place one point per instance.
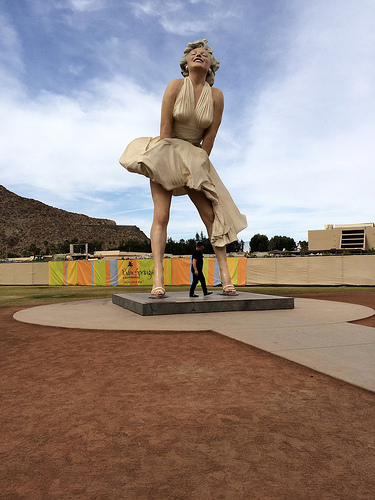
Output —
(134, 245)
(63, 247)
(259, 243)
(172, 246)
(94, 246)
(181, 247)
(32, 250)
(282, 243)
(52, 248)
(304, 246)
(235, 246)
(206, 242)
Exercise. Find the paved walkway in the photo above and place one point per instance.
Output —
(315, 333)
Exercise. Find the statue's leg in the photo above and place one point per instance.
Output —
(162, 202)
(204, 207)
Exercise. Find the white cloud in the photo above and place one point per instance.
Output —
(87, 5)
(10, 48)
(71, 145)
(309, 140)
(181, 18)
(295, 154)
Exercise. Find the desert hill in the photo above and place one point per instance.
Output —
(24, 222)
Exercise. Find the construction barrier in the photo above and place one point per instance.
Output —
(327, 270)
(24, 273)
(338, 270)
(140, 272)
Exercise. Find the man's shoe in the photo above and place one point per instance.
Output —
(208, 293)
(194, 296)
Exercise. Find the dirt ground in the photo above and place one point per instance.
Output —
(92, 414)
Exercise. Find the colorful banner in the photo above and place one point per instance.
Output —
(62, 273)
(84, 273)
(135, 272)
(55, 273)
(140, 272)
(180, 271)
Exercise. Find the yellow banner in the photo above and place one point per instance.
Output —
(99, 272)
(56, 275)
(135, 272)
(71, 273)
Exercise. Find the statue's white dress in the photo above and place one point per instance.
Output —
(179, 161)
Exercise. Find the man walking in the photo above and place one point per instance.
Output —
(197, 270)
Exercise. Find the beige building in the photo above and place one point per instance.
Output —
(343, 237)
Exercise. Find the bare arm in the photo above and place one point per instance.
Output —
(169, 98)
(210, 134)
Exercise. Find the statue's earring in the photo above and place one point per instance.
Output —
(209, 70)
(186, 67)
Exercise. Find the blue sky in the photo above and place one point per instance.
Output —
(79, 79)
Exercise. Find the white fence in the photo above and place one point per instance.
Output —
(314, 270)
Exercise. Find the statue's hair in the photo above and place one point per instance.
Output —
(214, 63)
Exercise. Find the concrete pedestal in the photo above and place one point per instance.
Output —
(181, 303)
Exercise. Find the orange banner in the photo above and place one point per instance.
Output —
(180, 271)
(84, 273)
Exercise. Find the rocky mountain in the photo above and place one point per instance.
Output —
(24, 222)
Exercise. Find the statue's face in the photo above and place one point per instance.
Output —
(199, 58)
